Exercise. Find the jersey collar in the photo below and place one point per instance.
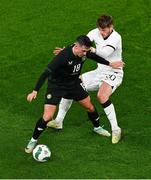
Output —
(108, 36)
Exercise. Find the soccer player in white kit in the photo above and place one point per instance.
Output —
(103, 79)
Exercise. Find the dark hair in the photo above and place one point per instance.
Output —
(83, 40)
(104, 21)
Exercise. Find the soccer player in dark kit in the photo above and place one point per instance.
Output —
(63, 81)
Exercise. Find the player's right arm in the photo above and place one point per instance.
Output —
(51, 69)
(112, 43)
(38, 85)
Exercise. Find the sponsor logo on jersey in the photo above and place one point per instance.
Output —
(40, 129)
(83, 58)
(70, 62)
(97, 119)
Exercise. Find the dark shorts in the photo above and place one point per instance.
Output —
(55, 93)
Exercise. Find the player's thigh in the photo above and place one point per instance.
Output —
(49, 111)
(110, 79)
(77, 93)
(52, 98)
(53, 95)
(90, 80)
(104, 91)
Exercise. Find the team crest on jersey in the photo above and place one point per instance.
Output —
(49, 96)
(83, 58)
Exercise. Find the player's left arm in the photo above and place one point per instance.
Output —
(101, 60)
(97, 58)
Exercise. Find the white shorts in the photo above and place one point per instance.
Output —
(92, 80)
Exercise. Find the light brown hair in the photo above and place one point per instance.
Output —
(104, 21)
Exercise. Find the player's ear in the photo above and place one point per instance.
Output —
(76, 45)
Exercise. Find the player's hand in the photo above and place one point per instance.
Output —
(92, 49)
(117, 64)
(57, 50)
(32, 96)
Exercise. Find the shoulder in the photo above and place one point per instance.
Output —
(65, 52)
(116, 35)
(93, 33)
(62, 57)
(114, 38)
(65, 55)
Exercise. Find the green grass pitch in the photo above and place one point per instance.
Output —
(29, 31)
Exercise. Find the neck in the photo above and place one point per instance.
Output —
(108, 35)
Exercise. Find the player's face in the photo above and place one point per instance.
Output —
(81, 50)
(105, 32)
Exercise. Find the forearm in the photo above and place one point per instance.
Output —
(41, 81)
(105, 51)
(98, 59)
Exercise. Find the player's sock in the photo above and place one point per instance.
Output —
(111, 114)
(94, 117)
(39, 128)
(64, 106)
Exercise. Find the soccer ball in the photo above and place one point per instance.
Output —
(41, 153)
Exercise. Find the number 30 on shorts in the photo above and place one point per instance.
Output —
(112, 77)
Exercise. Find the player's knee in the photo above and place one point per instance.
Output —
(90, 108)
(102, 97)
(47, 117)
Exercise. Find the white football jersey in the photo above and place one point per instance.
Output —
(114, 41)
